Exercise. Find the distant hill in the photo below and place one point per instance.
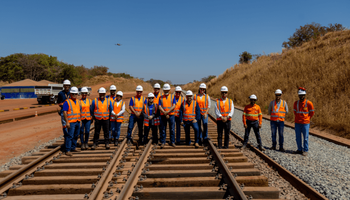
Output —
(322, 66)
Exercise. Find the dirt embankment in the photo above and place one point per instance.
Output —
(321, 66)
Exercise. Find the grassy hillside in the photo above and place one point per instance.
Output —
(321, 66)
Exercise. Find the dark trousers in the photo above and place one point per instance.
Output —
(154, 134)
(132, 120)
(104, 124)
(223, 126)
(195, 127)
(255, 126)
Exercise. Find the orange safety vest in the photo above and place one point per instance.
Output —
(146, 120)
(178, 106)
(202, 102)
(303, 111)
(116, 110)
(189, 111)
(138, 104)
(101, 111)
(73, 113)
(85, 109)
(167, 103)
(111, 99)
(252, 113)
(278, 113)
(224, 108)
(156, 99)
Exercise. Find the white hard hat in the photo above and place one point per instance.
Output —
(166, 86)
(189, 93)
(84, 89)
(139, 88)
(120, 93)
(178, 89)
(301, 92)
(150, 95)
(74, 90)
(102, 90)
(278, 91)
(66, 82)
(203, 86)
(156, 85)
(253, 97)
(112, 87)
(224, 89)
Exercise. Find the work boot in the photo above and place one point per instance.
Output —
(107, 146)
(75, 150)
(173, 144)
(282, 150)
(82, 146)
(304, 153)
(115, 142)
(162, 145)
(94, 147)
(273, 148)
(196, 145)
(69, 153)
(219, 143)
(244, 147)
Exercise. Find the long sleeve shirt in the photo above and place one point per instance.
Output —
(62, 97)
(252, 113)
(305, 112)
(218, 113)
(92, 107)
(278, 105)
(197, 111)
(122, 110)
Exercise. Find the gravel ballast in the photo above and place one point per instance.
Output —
(326, 168)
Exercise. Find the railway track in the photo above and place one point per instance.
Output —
(131, 172)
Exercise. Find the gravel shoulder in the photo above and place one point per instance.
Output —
(326, 168)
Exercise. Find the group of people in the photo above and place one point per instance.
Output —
(157, 110)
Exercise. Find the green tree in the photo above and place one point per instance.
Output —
(309, 32)
(245, 57)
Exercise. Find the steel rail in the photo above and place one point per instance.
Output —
(19, 175)
(103, 183)
(299, 184)
(133, 178)
(229, 179)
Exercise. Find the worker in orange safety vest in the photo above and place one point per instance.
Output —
(252, 118)
(117, 116)
(179, 101)
(303, 111)
(86, 118)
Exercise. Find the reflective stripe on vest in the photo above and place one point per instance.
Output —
(85, 109)
(146, 120)
(188, 115)
(167, 104)
(73, 113)
(301, 112)
(138, 104)
(277, 114)
(222, 108)
(177, 107)
(101, 114)
(116, 110)
(203, 106)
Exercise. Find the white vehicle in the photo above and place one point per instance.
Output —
(48, 94)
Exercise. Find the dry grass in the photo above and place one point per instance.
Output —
(3, 83)
(321, 66)
(125, 85)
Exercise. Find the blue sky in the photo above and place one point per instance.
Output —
(180, 41)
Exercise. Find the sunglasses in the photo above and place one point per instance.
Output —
(202, 89)
(74, 94)
(178, 92)
(150, 98)
(223, 92)
(278, 95)
(119, 96)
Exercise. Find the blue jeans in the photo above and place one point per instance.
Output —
(195, 127)
(178, 128)
(70, 139)
(274, 126)
(163, 124)
(302, 128)
(85, 126)
(255, 126)
(115, 129)
(132, 120)
(203, 135)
